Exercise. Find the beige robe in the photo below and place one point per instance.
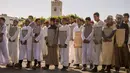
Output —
(107, 48)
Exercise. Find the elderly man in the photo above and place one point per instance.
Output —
(107, 44)
(121, 50)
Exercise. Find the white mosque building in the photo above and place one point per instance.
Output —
(56, 8)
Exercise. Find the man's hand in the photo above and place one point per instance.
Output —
(36, 41)
(95, 41)
(86, 41)
(10, 40)
(65, 45)
(60, 46)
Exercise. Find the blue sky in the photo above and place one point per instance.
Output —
(83, 8)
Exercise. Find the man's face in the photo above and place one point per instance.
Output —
(96, 18)
(82, 22)
(72, 20)
(63, 22)
(126, 18)
(56, 22)
(30, 19)
(78, 22)
(27, 22)
(87, 22)
(110, 22)
(38, 22)
(52, 22)
(15, 23)
(118, 20)
(1, 22)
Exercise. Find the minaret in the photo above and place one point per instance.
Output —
(56, 8)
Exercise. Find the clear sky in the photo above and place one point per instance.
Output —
(83, 8)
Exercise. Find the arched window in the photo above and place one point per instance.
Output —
(55, 9)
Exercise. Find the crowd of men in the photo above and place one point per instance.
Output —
(71, 40)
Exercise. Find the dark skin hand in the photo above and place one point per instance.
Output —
(65, 46)
(36, 41)
(86, 41)
(1, 34)
(95, 41)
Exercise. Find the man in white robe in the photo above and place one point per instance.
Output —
(78, 50)
(13, 42)
(63, 41)
(25, 44)
(44, 46)
(37, 43)
(97, 38)
(71, 46)
(87, 38)
(3, 42)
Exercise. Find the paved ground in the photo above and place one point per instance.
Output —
(71, 70)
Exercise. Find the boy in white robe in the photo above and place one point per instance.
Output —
(44, 48)
(78, 50)
(71, 46)
(87, 35)
(97, 38)
(37, 43)
(3, 42)
(25, 44)
(13, 42)
(63, 41)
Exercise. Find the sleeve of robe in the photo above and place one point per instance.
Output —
(126, 33)
(58, 40)
(21, 37)
(74, 33)
(82, 35)
(4, 31)
(28, 34)
(68, 36)
(39, 36)
(90, 37)
(15, 35)
(8, 36)
(44, 46)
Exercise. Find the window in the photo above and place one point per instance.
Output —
(55, 9)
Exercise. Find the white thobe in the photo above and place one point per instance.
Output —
(87, 48)
(64, 52)
(4, 54)
(26, 50)
(14, 46)
(44, 46)
(78, 51)
(71, 45)
(37, 47)
(97, 47)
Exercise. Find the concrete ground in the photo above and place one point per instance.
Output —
(24, 70)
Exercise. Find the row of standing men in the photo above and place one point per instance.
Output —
(83, 43)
